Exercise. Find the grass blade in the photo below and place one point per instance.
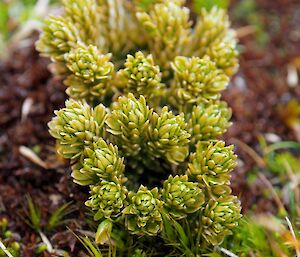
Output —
(91, 247)
(57, 218)
(33, 214)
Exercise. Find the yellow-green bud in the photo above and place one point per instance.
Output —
(87, 63)
(84, 16)
(168, 137)
(167, 26)
(219, 217)
(197, 80)
(118, 26)
(99, 161)
(92, 72)
(181, 197)
(143, 216)
(59, 37)
(208, 121)
(225, 55)
(128, 122)
(213, 37)
(142, 77)
(76, 126)
(211, 165)
(107, 199)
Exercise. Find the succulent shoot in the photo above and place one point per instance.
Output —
(142, 124)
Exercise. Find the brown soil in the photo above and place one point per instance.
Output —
(259, 87)
(24, 75)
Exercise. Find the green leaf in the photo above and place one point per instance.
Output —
(144, 4)
(90, 246)
(3, 19)
(208, 4)
(33, 214)
(57, 218)
(168, 230)
(92, 249)
(103, 234)
(282, 145)
(182, 236)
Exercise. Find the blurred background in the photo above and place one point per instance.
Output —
(264, 96)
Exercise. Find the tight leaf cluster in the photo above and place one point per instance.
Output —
(145, 83)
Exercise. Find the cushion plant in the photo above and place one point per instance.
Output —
(142, 123)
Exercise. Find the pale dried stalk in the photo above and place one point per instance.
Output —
(31, 156)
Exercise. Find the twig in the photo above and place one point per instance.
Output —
(259, 160)
(296, 129)
(30, 155)
(46, 242)
(245, 31)
(294, 182)
(270, 186)
(85, 232)
(26, 107)
(293, 234)
(292, 76)
(41, 8)
(227, 252)
(50, 248)
(2, 246)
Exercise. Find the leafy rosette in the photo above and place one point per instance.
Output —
(143, 214)
(182, 197)
(107, 199)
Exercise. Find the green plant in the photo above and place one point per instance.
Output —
(265, 234)
(208, 4)
(19, 18)
(35, 220)
(262, 235)
(281, 166)
(145, 86)
(8, 243)
(57, 218)
(248, 11)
